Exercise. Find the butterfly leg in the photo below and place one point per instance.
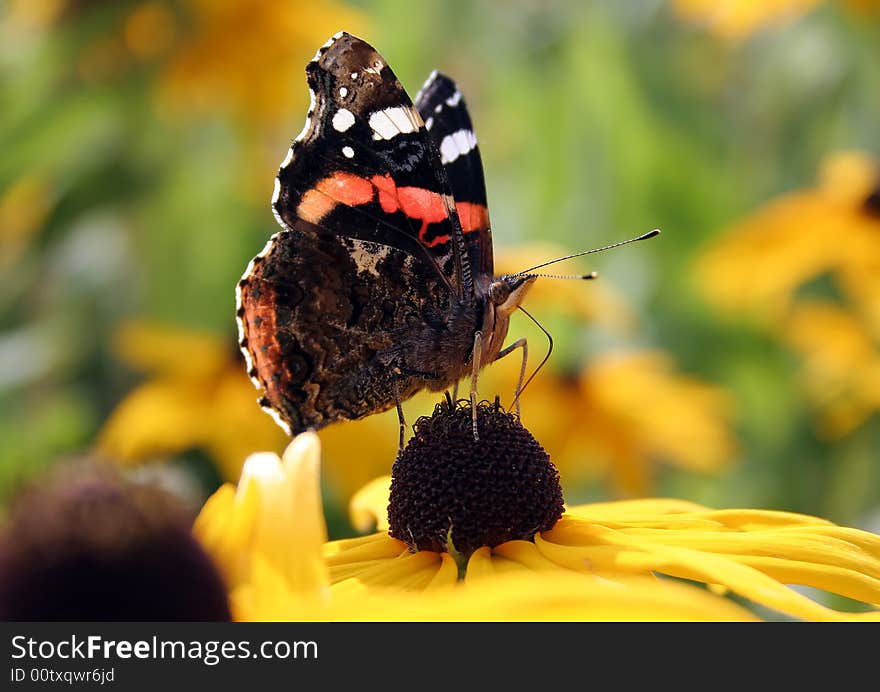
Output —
(402, 422)
(400, 418)
(524, 345)
(475, 359)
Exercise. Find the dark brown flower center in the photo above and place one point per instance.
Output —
(448, 490)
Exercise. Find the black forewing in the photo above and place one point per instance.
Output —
(362, 123)
(442, 107)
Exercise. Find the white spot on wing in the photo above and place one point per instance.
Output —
(348, 152)
(457, 144)
(354, 75)
(429, 123)
(390, 122)
(343, 92)
(406, 118)
(453, 100)
(342, 120)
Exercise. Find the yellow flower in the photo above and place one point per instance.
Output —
(244, 55)
(739, 19)
(266, 535)
(493, 503)
(834, 231)
(24, 207)
(197, 396)
(830, 229)
(840, 364)
(752, 553)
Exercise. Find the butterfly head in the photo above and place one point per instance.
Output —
(507, 292)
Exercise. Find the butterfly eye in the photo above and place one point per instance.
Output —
(499, 291)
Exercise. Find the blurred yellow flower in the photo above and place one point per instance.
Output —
(248, 56)
(752, 553)
(34, 14)
(739, 19)
(637, 409)
(840, 364)
(24, 207)
(197, 396)
(761, 264)
(830, 229)
(266, 535)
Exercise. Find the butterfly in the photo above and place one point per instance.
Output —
(380, 282)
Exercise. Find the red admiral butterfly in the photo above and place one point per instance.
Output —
(380, 283)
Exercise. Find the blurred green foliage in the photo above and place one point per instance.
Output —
(597, 121)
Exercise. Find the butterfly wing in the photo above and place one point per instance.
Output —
(448, 123)
(364, 166)
(345, 310)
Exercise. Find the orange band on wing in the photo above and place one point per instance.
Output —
(339, 188)
(421, 204)
(416, 202)
(473, 217)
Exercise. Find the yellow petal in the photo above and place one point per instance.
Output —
(158, 417)
(377, 546)
(301, 503)
(368, 509)
(603, 549)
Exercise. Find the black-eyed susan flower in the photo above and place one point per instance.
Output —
(268, 537)
(755, 554)
(461, 559)
(85, 544)
(832, 229)
(831, 232)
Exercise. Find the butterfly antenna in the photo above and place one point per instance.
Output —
(542, 363)
(581, 277)
(644, 236)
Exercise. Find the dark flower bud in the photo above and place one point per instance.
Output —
(87, 545)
